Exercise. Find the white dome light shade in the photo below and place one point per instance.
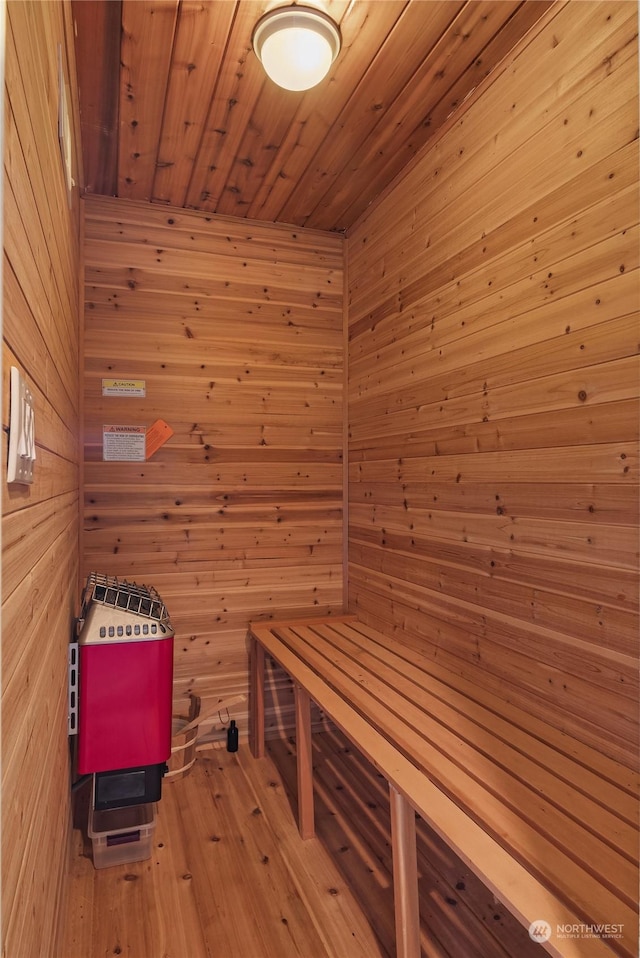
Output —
(296, 46)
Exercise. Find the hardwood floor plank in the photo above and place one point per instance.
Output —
(460, 918)
(331, 902)
(261, 897)
(230, 877)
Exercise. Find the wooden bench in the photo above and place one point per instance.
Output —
(547, 823)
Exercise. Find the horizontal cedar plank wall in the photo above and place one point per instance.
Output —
(40, 524)
(236, 329)
(493, 386)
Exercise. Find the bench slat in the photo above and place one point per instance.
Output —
(516, 751)
(527, 826)
(541, 881)
(510, 724)
(609, 769)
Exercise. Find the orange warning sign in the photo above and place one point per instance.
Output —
(157, 435)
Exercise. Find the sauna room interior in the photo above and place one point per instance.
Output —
(385, 333)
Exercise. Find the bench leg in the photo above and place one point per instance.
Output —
(256, 725)
(306, 822)
(405, 876)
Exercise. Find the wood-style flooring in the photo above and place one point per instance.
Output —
(229, 876)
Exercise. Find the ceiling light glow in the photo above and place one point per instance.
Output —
(296, 46)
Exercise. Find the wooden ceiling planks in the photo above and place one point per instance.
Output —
(238, 86)
(396, 135)
(146, 58)
(199, 50)
(195, 122)
(98, 64)
(317, 117)
(366, 113)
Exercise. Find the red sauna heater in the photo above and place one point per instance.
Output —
(125, 677)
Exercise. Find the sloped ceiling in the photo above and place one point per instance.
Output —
(176, 109)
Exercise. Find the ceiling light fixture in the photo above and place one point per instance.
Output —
(296, 46)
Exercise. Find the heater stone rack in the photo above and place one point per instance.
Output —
(112, 609)
(127, 596)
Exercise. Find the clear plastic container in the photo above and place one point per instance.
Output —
(121, 835)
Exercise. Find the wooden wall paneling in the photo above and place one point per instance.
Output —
(22, 761)
(54, 430)
(570, 500)
(345, 434)
(609, 628)
(35, 913)
(544, 538)
(470, 306)
(518, 107)
(30, 532)
(580, 657)
(493, 385)
(458, 274)
(616, 421)
(615, 587)
(237, 332)
(250, 288)
(29, 609)
(40, 522)
(582, 350)
(548, 692)
(487, 400)
(22, 331)
(605, 462)
(49, 207)
(468, 265)
(39, 291)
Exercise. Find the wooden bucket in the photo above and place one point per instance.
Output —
(183, 744)
(184, 734)
(183, 749)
